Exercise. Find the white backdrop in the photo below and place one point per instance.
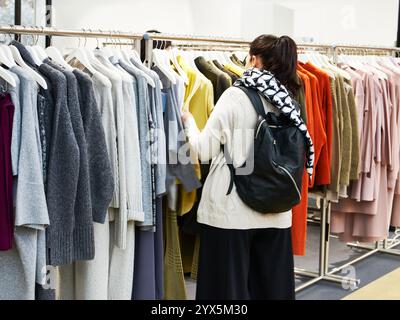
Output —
(325, 21)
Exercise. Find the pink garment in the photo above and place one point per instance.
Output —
(395, 220)
(394, 172)
(366, 216)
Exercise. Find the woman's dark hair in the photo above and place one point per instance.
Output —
(279, 56)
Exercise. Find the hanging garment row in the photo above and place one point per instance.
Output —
(76, 135)
(220, 69)
(370, 204)
(332, 107)
(93, 145)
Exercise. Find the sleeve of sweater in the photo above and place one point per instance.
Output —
(207, 143)
(132, 158)
(104, 103)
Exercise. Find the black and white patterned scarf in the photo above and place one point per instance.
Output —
(270, 87)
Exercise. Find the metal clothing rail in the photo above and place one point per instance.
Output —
(150, 38)
(187, 38)
(84, 33)
(362, 50)
(227, 40)
(135, 38)
(365, 47)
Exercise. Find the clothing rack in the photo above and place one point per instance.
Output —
(198, 43)
(385, 246)
(324, 272)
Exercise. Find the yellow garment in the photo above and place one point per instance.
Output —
(199, 100)
(235, 69)
(199, 94)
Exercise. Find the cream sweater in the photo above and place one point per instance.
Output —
(232, 123)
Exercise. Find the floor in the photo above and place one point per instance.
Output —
(371, 270)
(387, 286)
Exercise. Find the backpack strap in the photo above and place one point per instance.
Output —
(259, 107)
(255, 99)
(229, 163)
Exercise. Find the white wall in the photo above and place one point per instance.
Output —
(213, 17)
(345, 21)
(173, 16)
(284, 22)
(326, 21)
(125, 15)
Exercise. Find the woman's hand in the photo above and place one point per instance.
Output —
(186, 116)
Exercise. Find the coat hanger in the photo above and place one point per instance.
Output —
(102, 54)
(315, 60)
(57, 57)
(173, 57)
(33, 53)
(161, 60)
(8, 54)
(371, 61)
(134, 61)
(4, 58)
(39, 50)
(326, 65)
(81, 55)
(5, 74)
(32, 73)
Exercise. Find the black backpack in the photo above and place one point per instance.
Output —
(274, 184)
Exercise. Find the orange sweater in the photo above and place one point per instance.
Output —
(319, 129)
(323, 171)
(299, 217)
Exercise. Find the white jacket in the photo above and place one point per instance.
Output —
(232, 123)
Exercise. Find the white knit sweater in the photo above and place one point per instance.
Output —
(232, 123)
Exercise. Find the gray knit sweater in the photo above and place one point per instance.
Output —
(83, 237)
(100, 173)
(62, 174)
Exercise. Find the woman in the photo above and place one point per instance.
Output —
(245, 254)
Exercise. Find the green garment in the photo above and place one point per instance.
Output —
(336, 141)
(220, 80)
(355, 139)
(346, 135)
(174, 280)
(233, 76)
(300, 97)
(237, 61)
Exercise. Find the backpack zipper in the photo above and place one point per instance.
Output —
(259, 127)
(291, 178)
(261, 123)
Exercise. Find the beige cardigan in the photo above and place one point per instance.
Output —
(231, 123)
